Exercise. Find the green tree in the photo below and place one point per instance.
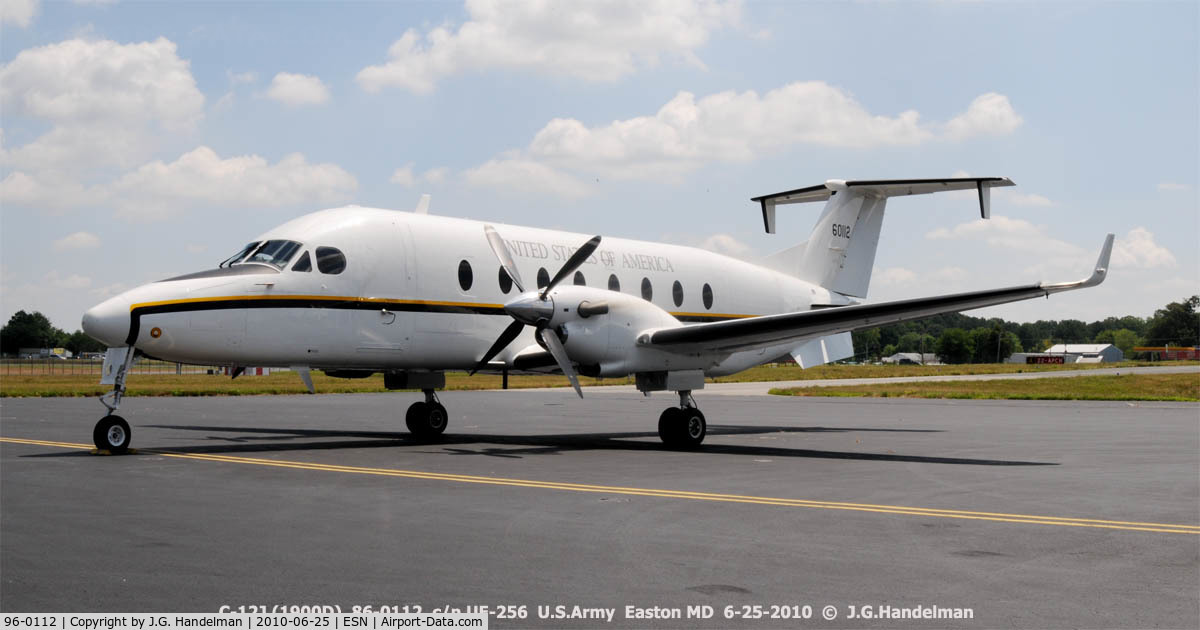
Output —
(79, 342)
(1123, 338)
(955, 346)
(1177, 324)
(29, 330)
(1071, 331)
(866, 343)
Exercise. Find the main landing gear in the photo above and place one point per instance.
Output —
(426, 419)
(683, 426)
(112, 433)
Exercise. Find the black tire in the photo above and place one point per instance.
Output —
(669, 425)
(112, 434)
(692, 427)
(426, 420)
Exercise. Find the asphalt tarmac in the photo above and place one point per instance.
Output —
(1030, 514)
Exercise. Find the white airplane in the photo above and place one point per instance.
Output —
(353, 291)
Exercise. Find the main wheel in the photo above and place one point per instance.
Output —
(426, 419)
(684, 428)
(112, 434)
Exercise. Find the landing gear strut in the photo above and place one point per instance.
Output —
(428, 418)
(112, 433)
(683, 426)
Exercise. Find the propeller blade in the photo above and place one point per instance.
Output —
(502, 342)
(573, 263)
(560, 355)
(506, 261)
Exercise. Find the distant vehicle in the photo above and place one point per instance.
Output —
(353, 291)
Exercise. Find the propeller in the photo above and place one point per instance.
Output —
(532, 308)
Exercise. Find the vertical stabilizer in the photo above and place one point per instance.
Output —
(840, 253)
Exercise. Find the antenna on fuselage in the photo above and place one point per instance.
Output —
(423, 204)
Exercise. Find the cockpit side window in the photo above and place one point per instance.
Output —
(240, 255)
(276, 253)
(304, 263)
(331, 260)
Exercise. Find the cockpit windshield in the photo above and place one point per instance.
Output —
(276, 253)
(240, 255)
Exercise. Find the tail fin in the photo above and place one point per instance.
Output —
(840, 252)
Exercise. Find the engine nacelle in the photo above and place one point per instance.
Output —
(605, 343)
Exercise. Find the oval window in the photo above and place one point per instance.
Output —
(330, 260)
(647, 290)
(613, 283)
(465, 276)
(543, 278)
(579, 281)
(505, 281)
(706, 294)
(677, 293)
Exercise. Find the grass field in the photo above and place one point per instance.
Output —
(170, 384)
(1148, 387)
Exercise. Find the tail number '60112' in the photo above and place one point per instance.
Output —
(841, 230)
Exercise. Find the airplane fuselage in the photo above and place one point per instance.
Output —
(425, 292)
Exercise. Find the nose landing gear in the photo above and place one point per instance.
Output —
(112, 433)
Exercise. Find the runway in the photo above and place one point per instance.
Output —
(1041, 514)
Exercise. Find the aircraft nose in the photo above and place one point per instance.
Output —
(107, 322)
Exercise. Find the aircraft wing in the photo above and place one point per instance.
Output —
(771, 330)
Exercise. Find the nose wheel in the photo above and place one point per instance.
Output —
(683, 426)
(112, 434)
(427, 419)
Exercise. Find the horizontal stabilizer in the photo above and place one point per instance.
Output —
(880, 188)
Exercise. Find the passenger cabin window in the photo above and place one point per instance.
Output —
(614, 284)
(543, 278)
(465, 276)
(304, 263)
(505, 281)
(706, 295)
(240, 255)
(330, 260)
(276, 253)
(677, 293)
(647, 290)
(579, 281)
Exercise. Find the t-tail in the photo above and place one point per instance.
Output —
(840, 253)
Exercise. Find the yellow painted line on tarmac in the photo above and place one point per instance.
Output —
(1029, 519)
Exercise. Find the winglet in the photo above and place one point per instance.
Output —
(423, 204)
(1098, 274)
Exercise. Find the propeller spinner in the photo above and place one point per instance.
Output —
(531, 308)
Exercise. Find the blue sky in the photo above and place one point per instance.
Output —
(141, 140)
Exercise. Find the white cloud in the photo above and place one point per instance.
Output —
(1008, 233)
(71, 281)
(893, 277)
(1138, 249)
(989, 114)
(592, 41)
(404, 176)
(157, 189)
(107, 102)
(237, 78)
(1172, 186)
(86, 81)
(1024, 199)
(725, 244)
(688, 132)
(297, 89)
(525, 176)
(19, 12)
(435, 175)
(49, 191)
(76, 240)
